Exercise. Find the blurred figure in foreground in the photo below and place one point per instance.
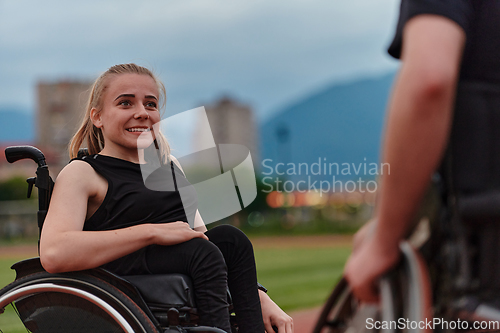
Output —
(442, 44)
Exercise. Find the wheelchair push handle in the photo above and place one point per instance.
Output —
(16, 153)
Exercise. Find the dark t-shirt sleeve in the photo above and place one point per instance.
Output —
(460, 11)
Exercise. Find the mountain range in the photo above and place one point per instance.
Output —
(340, 124)
(16, 125)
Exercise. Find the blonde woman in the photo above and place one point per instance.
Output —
(102, 215)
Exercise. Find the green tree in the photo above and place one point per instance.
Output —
(14, 188)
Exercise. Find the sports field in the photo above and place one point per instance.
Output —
(298, 271)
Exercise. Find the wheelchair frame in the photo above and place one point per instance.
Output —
(434, 279)
(92, 294)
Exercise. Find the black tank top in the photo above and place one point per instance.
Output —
(132, 200)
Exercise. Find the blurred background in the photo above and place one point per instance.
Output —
(299, 82)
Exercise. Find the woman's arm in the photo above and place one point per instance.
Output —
(274, 316)
(64, 246)
(199, 225)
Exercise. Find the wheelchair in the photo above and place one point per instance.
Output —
(95, 300)
(442, 282)
(449, 272)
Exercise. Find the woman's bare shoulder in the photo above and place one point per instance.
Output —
(78, 174)
(76, 168)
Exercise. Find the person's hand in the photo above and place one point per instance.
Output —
(364, 233)
(366, 265)
(174, 233)
(274, 316)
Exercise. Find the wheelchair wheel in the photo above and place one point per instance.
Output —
(404, 295)
(337, 311)
(74, 303)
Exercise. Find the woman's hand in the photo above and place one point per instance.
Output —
(274, 316)
(174, 233)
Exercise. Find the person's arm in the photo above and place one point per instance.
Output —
(419, 121)
(64, 246)
(274, 316)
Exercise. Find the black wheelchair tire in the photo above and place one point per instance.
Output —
(111, 295)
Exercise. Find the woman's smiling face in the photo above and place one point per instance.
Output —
(129, 110)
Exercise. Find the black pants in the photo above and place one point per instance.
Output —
(226, 260)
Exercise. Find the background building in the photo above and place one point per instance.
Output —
(60, 111)
(232, 122)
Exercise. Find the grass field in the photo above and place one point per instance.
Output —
(302, 277)
(9, 323)
(7, 275)
(297, 277)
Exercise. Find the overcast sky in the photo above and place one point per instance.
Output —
(266, 53)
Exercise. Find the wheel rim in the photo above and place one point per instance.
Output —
(25, 291)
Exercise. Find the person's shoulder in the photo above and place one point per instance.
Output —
(462, 12)
(77, 172)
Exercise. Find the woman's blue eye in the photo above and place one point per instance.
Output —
(125, 103)
(151, 104)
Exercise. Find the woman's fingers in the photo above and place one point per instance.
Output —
(201, 235)
(190, 233)
(175, 232)
(286, 326)
(269, 327)
(280, 325)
